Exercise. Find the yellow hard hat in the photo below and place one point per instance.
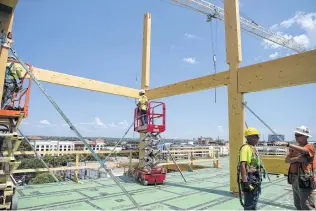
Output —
(251, 131)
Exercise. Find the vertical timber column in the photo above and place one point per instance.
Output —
(145, 68)
(6, 22)
(235, 98)
(76, 179)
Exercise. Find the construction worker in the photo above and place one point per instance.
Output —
(142, 106)
(13, 80)
(301, 171)
(250, 169)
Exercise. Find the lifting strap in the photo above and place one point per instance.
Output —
(74, 129)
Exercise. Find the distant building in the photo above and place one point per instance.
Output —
(98, 144)
(205, 141)
(130, 145)
(56, 145)
(34, 138)
(52, 145)
(278, 137)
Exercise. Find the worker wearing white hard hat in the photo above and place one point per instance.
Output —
(301, 170)
(141, 91)
(142, 106)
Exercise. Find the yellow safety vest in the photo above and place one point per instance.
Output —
(15, 71)
(142, 102)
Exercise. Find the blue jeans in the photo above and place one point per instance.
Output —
(8, 91)
(251, 200)
(143, 114)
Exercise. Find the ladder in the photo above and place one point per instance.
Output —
(10, 140)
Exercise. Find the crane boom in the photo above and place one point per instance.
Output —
(213, 11)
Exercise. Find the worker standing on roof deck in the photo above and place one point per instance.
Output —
(142, 106)
(13, 80)
(301, 171)
(250, 169)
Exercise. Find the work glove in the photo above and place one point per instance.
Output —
(245, 187)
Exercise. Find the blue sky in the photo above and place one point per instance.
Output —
(103, 41)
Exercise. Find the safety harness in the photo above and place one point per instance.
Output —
(9, 72)
(254, 177)
(17, 87)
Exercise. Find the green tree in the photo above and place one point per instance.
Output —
(45, 178)
(31, 163)
(24, 146)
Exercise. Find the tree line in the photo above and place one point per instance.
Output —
(31, 162)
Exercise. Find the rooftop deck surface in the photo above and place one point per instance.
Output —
(206, 189)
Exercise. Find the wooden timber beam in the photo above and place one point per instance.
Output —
(235, 109)
(145, 72)
(6, 22)
(9, 3)
(146, 51)
(83, 83)
(192, 85)
(284, 72)
(275, 164)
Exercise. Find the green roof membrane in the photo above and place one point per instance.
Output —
(206, 189)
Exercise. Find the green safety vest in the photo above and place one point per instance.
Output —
(13, 71)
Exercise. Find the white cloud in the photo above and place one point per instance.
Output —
(45, 122)
(274, 55)
(190, 60)
(99, 123)
(220, 128)
(123, 123)
(191, 36)
(302, 40)
(274, 27)
(258, 58)
(306, 22)
(112, 125)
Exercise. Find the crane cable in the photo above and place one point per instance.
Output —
(214, 47)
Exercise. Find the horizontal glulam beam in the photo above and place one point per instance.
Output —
(83, 83)
(275, 164)
(192, 85)
(289, 71)
(8, 6)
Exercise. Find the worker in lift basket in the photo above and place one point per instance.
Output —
(250, 169)
(13, 79)
(301, 171)
(142, 106)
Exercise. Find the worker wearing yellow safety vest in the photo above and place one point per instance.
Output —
(142, 106)
(249, 168)
(13, 80)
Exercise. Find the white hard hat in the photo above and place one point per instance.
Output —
(142, 91)
(303, 130)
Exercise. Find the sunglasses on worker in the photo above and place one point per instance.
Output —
(297, 135)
